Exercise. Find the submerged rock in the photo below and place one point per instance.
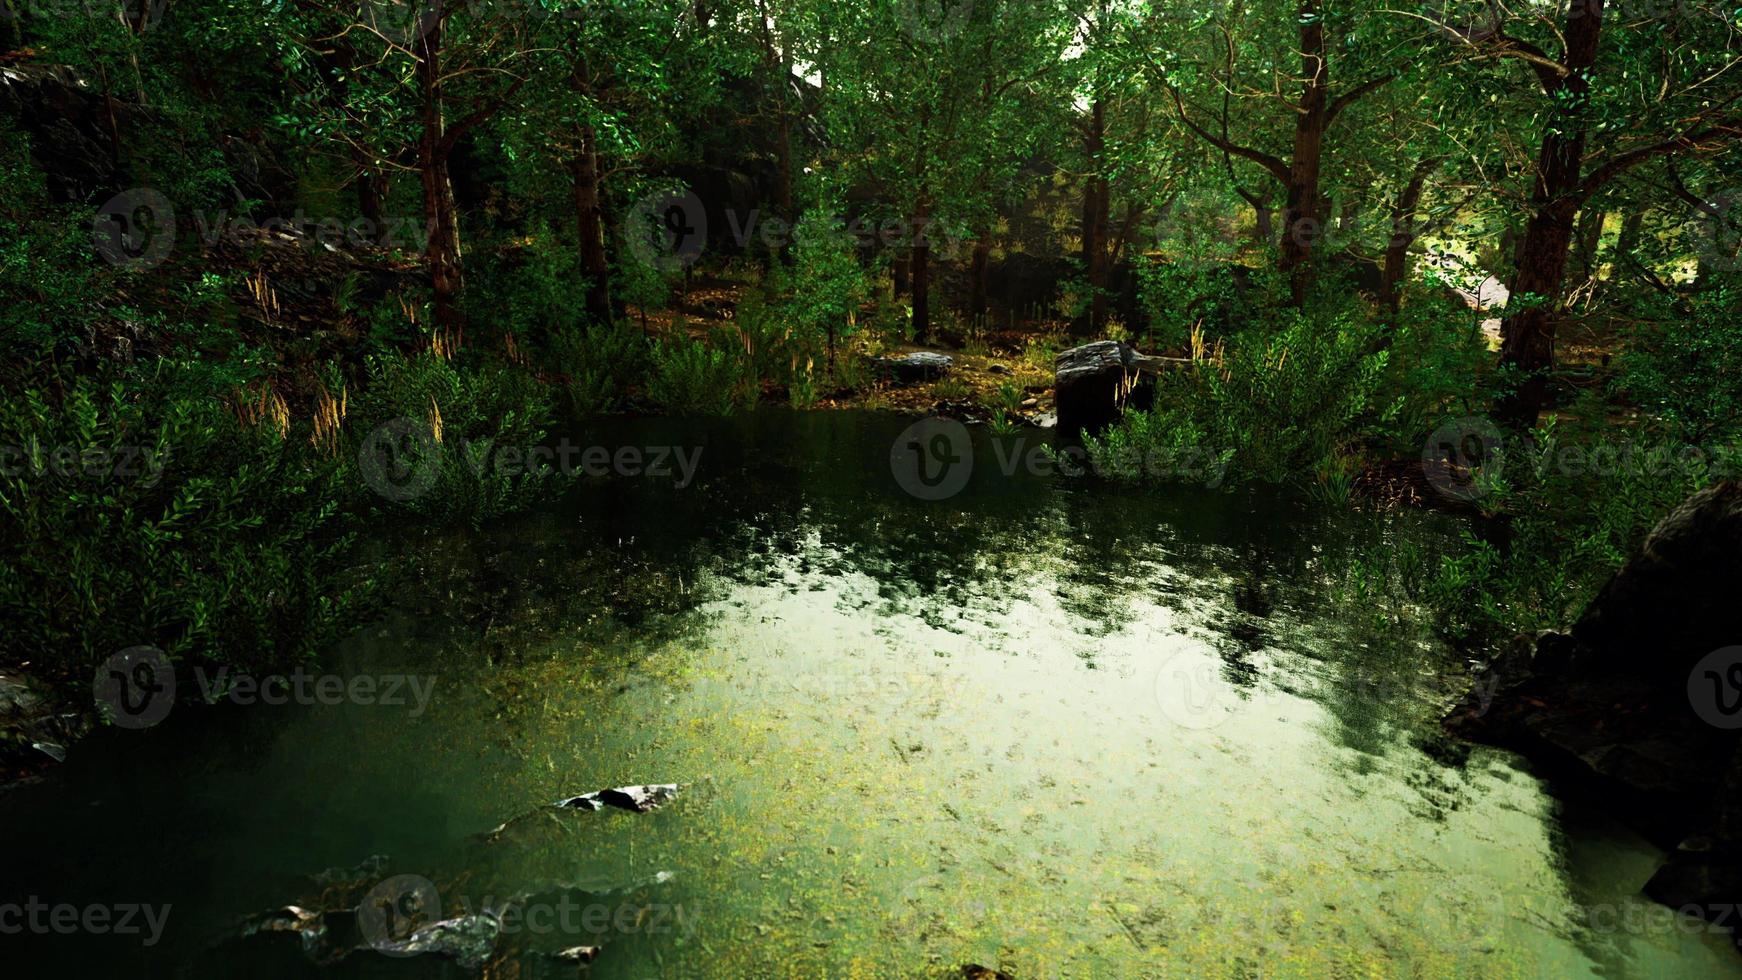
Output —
(469, 940)
(636, 799)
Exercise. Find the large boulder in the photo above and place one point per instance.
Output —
(917, 367)
(1642, 700)
(1095, 383)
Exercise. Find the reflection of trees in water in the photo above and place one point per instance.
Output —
(782, 499)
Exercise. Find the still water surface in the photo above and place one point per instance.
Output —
(1044, 726)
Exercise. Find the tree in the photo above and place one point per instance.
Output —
(1248, 72)
(1610, 97)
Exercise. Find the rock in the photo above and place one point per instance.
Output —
(974, 971)
(468, 940)
(1675, 601)
(577, 954)
(636, 799)
(1706, 870)
(916, 367)
(1618, 705)
(1094, 383)
(997, 369)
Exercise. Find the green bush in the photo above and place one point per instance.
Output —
(600, 367)
(1280, 402)
(137, 515)
(465, 418)
(1570, 502)
(1687, 369)
(690, 377)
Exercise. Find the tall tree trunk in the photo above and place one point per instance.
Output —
(1403, 234)
(898, 270)
(1096, 217)
(371, 190)
(1528, 337)
(442, 254)
(1632, 230)
(590, 225)
(1589, 239)
(977, 271)
(921, 259)
(1303, 216)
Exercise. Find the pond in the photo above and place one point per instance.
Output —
(1042, 725)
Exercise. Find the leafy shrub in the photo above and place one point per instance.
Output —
(147, 517)
(466, 416)
(600, 367)
(690, 377)
(1687, 370)
(1275, 405)
(1571, 502)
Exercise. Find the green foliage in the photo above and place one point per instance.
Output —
(1570, 503)
(1281, 401)
(473, 414)
(600, 367)
(133, 514)
(1687, 370)
(690, 377)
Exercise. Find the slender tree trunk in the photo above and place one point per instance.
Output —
(442, 253)
(370, 194)
(1528, 337)
(1590, 238)
(1303, 217)
(1403, 234)
(921, 259)
(1096, 217)
(1263, 217)
(1632, 229)
(898, 270)
(590, 225)
(13, 35)
(977, 271)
